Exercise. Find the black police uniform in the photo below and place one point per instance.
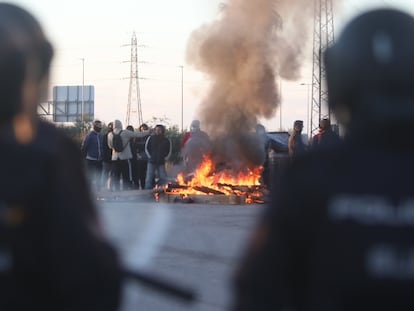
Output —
(52, 256)
(341, 242)
(339, 231)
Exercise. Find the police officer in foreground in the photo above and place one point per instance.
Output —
(339, 233)
(53, 252)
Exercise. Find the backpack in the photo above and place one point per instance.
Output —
(117, 142)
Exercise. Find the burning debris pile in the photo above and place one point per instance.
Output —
(212, 185)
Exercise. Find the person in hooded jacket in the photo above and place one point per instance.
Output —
(54, 253)
(142, 158)
(296, 145)
(196, 147)
(326, 136)
(93, 149)
(133, 163)
(158, 149)
(120, 159)
(107, 159)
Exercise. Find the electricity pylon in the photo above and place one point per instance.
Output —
(134, 111)
(323, 36)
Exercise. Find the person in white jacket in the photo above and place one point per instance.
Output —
(121, 160)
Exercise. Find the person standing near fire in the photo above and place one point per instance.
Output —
(267, 146)
(132, 163)
(296, 145)
(195, 148)
(142, 158)
(53, 251)
(107, 159)
(339, 233)
(92, 148)
(326, 136)
(158, 149)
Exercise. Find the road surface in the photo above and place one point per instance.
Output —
(194, 245)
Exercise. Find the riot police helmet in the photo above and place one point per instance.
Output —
(24, 53)
(370, 69)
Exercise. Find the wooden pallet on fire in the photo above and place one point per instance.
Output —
(239, 195)
(202, 198)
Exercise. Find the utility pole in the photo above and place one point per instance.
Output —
(280, 107)
(182, 98)
(134, 96)
(323, 36)
(308, 126)
(83, 90)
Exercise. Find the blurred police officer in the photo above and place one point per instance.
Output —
(53, 253)
(339, 233)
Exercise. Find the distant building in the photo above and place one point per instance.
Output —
(67, 103)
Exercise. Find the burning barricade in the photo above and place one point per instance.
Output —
(209, 184)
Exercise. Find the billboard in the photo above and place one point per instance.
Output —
(69, 102)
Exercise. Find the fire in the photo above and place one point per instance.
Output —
(207, 181)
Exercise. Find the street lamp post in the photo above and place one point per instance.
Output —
(307, 110)
(280, 92)
(83, 87)
(182, 98)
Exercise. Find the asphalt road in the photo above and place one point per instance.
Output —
(196, 246)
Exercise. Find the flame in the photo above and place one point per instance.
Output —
(226, 182)
(156, 194)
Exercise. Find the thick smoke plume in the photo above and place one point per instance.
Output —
(243, 53)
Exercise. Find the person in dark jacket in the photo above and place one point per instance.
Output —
(268, 146)
(107, 159)
(197, 146)
(339, 233)
(326, 136)
(295, 143)
(158, 149)
(133, 166)
(142, 158)
(53, 251)
(93, 149)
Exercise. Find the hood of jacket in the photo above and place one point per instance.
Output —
(117, 125)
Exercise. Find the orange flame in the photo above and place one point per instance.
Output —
(224, 181)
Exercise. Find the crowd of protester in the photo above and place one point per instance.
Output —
(140, 164)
